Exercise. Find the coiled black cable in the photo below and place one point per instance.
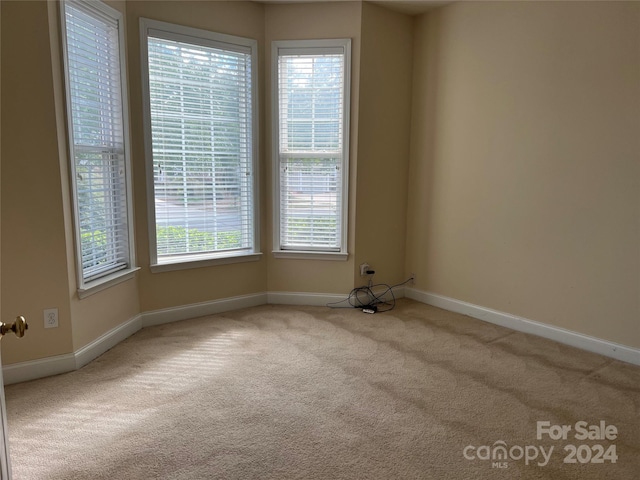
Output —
(366, 297)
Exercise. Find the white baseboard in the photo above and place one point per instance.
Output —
(317, 299)
(561, 335)
(55, 365)
(107, 341)
(40, 368)
(298, 298)
(48, 366)
(194, 310)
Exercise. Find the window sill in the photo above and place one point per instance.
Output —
(309, 255)
(107, 282)
(189, 261)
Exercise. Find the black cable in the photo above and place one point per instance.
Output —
(371, 299)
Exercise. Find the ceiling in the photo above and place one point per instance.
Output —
(409, 7)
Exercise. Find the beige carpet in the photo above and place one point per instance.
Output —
(279, 392)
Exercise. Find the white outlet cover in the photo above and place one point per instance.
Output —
(51, 318)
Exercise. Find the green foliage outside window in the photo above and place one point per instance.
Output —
(176, 240)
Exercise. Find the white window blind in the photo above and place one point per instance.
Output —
(312, 149)
(97, 138)
(201, 116)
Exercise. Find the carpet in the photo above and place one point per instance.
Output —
(288, 392)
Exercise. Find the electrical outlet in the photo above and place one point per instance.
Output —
(51, 318)
(363, 269)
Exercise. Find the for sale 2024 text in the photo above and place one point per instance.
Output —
(500, 454)
(581, 431)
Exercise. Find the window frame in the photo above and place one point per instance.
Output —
(218, 40)
(314, 46)
(86, 287)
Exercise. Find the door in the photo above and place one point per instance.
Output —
(18, 327)
(5, 467)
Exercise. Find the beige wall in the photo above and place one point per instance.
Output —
(38, 265)
(183, 287)
(383, 150)
(34, 258)
(310, 21)
(524, 192)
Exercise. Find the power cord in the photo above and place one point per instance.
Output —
(368, 300)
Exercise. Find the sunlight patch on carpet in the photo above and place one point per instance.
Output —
(188, 368)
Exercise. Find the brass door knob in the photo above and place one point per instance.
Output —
(18, 327)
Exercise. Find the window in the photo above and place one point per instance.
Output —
(201, 145)
(311, 117)
(98, 132)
